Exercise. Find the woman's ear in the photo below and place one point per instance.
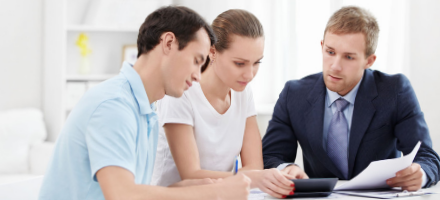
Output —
(212, 53)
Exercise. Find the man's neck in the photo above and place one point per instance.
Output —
(148, 68)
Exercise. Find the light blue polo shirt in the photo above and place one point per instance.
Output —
(112, 125)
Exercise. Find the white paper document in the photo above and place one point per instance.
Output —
(257, 194)
(376, 174)
(384, 194)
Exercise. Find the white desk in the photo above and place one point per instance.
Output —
(29, 189)
(435, 188)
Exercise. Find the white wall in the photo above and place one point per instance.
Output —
(425, 61)
(20, 53)
(21, 57)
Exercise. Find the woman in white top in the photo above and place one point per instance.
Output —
(215, 120)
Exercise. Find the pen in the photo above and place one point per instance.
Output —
(235, 165)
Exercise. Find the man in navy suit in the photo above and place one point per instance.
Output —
(348, 116)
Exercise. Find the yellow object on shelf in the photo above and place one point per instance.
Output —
(83, 44)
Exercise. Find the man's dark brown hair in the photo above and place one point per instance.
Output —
(181, 21)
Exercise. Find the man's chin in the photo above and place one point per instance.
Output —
(175, 94)
(333, 87)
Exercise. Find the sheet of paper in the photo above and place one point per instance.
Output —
(373, 194)
(384, 194)
(376, 174)
(331, 196)
(256, 194)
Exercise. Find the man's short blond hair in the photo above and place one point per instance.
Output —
(352, 19)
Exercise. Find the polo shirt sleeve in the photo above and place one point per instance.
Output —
(175, 110)
(250, 105)
(111, 136)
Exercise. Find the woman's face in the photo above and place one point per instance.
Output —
(238, 65)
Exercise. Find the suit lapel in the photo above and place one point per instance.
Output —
(362, 115)
(314, 121)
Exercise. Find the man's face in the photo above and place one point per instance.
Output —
(344, 61)
(183, 66)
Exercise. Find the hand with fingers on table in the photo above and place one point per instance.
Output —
(272, 181)
(295, 171)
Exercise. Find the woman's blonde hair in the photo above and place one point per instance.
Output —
(234, 22)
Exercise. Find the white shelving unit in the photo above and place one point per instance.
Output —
(108, 33)
(106, 44)
(88, 28)
(94, 77)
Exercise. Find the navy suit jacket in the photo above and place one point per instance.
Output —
(387, 120)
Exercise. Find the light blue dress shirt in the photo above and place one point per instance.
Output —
(112, 125)
(330, 109)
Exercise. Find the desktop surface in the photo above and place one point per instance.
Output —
(435, 189)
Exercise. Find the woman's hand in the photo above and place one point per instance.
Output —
(295, 171)
(274, 182)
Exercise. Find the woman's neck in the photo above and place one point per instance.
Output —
(213, 87)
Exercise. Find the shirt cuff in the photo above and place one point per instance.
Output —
(424, 178)
(284, 165)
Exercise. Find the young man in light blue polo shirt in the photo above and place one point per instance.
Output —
(107, 147)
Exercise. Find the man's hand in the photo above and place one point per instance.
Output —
(295, 171)
(409, 178)
(193, 182)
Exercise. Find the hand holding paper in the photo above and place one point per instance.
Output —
(409, 178)
(376, 174)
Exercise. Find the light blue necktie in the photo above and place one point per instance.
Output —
(337, 139)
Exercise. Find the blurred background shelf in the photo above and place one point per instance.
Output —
(89, 28)
(89, 77)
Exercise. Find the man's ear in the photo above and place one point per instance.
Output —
(212, 53)
(166, 41)
(370, 61)
(322, 44)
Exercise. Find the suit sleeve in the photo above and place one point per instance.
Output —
(411, 128)
(279, 142)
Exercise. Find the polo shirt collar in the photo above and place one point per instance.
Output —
(350, 97)
(138, 89)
